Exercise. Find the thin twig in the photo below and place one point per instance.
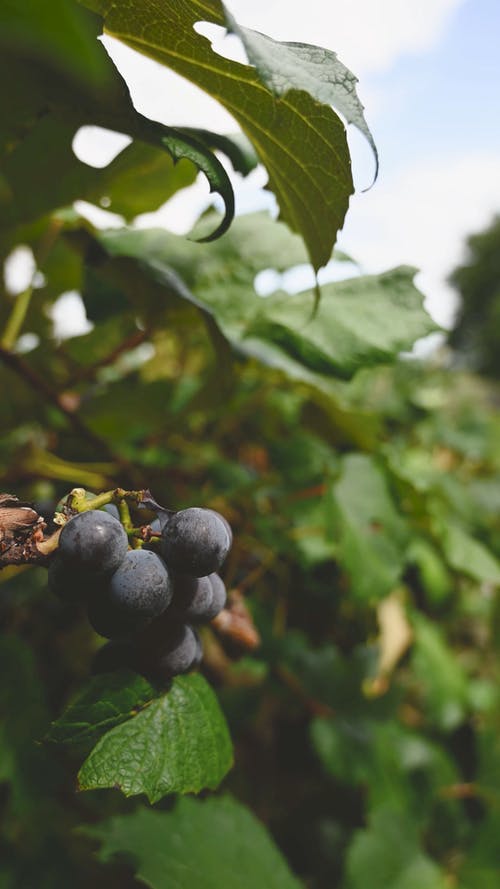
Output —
(89, 372)
(38, 383)
(21, 532)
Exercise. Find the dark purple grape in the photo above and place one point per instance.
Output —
(106, 621)
(177, 655)
(138, 591)
(225, 523)
(95, 540)
(112, 509)
(196, 542)
(219, 597)
(193, 598)
(199, 651)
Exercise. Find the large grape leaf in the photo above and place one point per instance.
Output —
(254, 242)
(214, 844)
(177, 743)
(349, 330)
(298, 137)
(283, 66)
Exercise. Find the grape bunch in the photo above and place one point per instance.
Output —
(147, 601)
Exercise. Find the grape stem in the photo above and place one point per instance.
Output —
(117, 495)
(125, 518)
(140, 532)
(120, 497)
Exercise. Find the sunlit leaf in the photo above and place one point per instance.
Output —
(178, 743)
(300, 139)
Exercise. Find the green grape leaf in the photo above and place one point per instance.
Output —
(469, 556)
(349, 330)
(212, 844)
(177, 743)
(372, 534)
(254, 242)
(106, 701)
(388, 759)
(283, 66)
(439, 674)
(300, 140)
(180, 145)
(388, 855)
(236, 147)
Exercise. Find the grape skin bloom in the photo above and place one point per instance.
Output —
(93, 539)
(141, 584)
(196, 541)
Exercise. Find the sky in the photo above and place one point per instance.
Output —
(429, 78)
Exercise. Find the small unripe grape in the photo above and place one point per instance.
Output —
(95, 540)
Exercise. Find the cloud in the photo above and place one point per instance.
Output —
(368, 35)
(422, 216)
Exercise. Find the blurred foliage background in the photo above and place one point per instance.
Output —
(363, 487)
